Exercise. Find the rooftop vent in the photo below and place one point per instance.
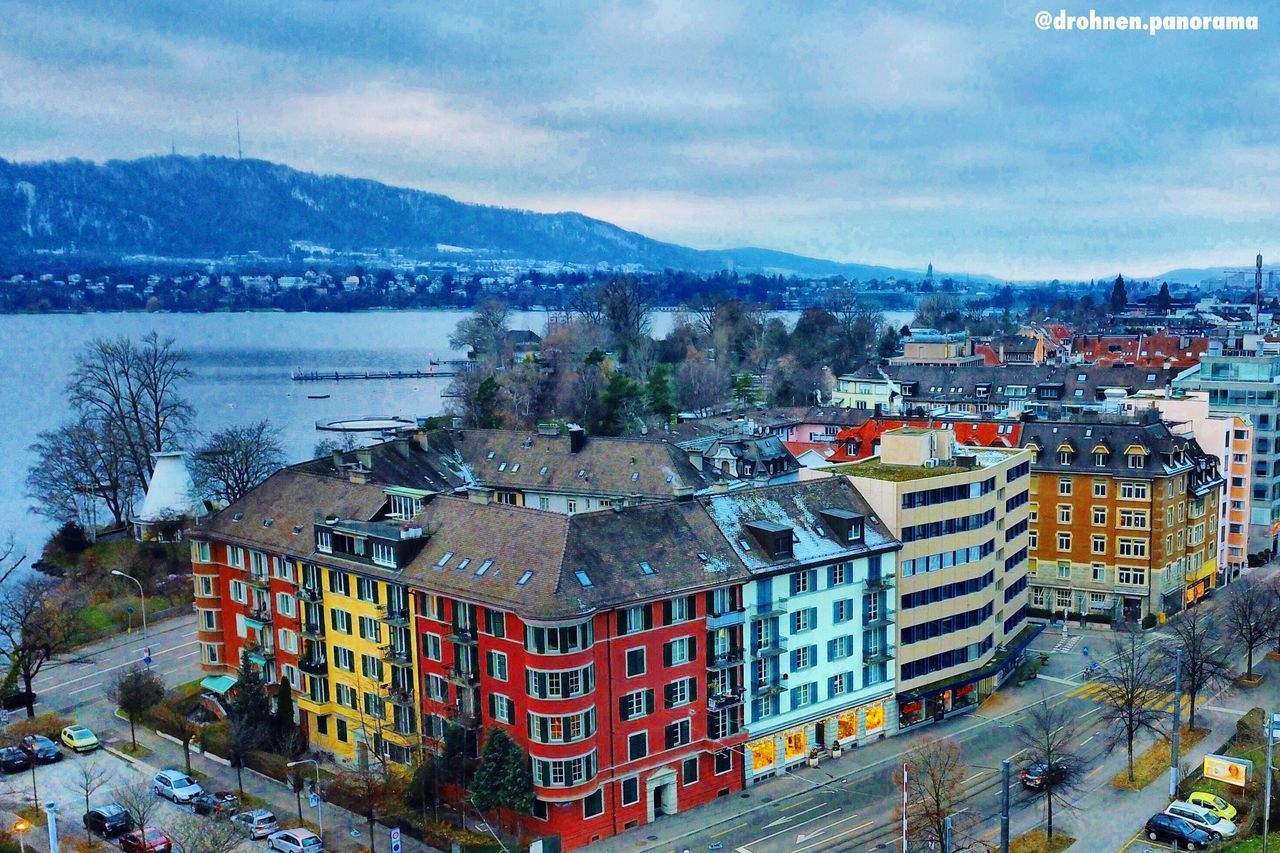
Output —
(239, 516)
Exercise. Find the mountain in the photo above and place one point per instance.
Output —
(211, 207)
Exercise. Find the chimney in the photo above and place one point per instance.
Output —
(337, 460)
(577, 438)
(479, 495)
(365, 457)
(401, 445)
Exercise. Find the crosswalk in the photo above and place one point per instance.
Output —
(1162, 702)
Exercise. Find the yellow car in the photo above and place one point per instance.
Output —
(79, 739)
(1213, 803)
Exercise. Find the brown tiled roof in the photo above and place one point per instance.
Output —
(399, 462)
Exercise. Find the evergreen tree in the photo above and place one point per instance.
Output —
(658, 390)
(1164, 300)
(486, 787)
(744, 388)
(249, 700)
(282, 725)
(1119, 296)
(517, 780)
(618, 404)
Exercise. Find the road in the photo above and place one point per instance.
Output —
(80, 689)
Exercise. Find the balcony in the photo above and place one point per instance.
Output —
(465, 677)
(395, 616)
(883, 582)
(880, 621)
(728, 619)
(260, 615)
(717, 730)
(396, 656)
(262, 581)
(772, 647)
(463, 636)
(724, 699)
(731, 658)
(876, 655)
(310, 595)
(313, 630)
(770, 609)
(258, 653)
(462, 716)
(768, 687)
(314, 665)
(399, 695)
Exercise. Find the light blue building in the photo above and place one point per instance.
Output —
(820, 636)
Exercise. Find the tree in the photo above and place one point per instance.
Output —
(371, 791)
(618, 405)
(658, 391)
(857, 321)
(248, 717)
(484, 333)
(80, 467)
(131, 390)
(700, 384)
(1131, 687)
(1049, 735)
(135, 691)
(235, 460)
(475, 397)
(1164, 300)
(39, 625)
(887, 344)
(90, 777)
(282, 724)
(502, 779)
(179, 725)
(1204, 655)
(935, 771)
(136, 796)
(192, 834)
(744, 389)
(1119, 296)
(1249, 614)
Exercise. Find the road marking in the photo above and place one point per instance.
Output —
(974, 776)
(1057, 680)
(787, 818)
(1089, 738)
(1016, 754)
(857, 828)
(729, 830)
(98, 672)
(746, 849)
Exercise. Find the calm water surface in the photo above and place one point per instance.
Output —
(241, 365)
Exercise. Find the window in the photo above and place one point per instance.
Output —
(346, 696)
(497, 665)
(572, 505)
(324, 541)
(1099, 572)
(679, 651)
(838, 575)
(593, 805)
(635, 662)
(1064, 513)
(678, 734)
(1133, 547)
(374, 706)
(339, 583)
(635, 619)
(495, 623)
(724, 762)
(340, 620)
(630, 791)
(1136, 460)
(239, 592)
(680, 609)
(1064, 485)
(1135, 519)
(635, 704)
(803, 657)
(1033, 539)
(804, 695)
(804, 620)
(501, 708)
(679, 692)
(344, 659)
(367, 590)
(801, 582)
(842, 610)
(1135, 491)
(341, 730)
(200, 552)
(384, 554)
(689, 771)
(1099, 516)
(1064, 541)
(370, 629)
(1099, 488)
(1064, 570)
(1131, 576)
(1063, 598)
(431, 646)
(1099, 544)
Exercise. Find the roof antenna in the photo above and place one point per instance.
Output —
(239, 150)
(1257, 287)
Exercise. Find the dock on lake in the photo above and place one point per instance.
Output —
(443, 368)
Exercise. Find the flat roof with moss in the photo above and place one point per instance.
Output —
(876, 469)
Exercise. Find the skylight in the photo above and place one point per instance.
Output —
(543, 471)
(297, 528)
(267, 522)
(582, 578)
(635, 475)
(490, 456)
(484, 567)
(238, 516)
(502, 467)
(515, 468)
(582, 472)
(448, 555)
(646, 568)
(524, 578)
(744, 544)
(466, 561)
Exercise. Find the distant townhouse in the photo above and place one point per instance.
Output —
(961, 515)
(1143, 350)
(746, 456)
(1011, 349)
(933, 347)
(1123, 517)
(868, 389)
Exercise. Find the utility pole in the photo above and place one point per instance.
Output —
(1177, 724)
(240, 150)
(946, 834)
(1004, 806)
(1257, 289)
(1266, 811)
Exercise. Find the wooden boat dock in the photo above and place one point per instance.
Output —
(443, 368)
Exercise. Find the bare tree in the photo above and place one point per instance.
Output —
(701, 384)
(624, 305)
(132, 390)
(484, 333)
(1204, 655)
(192, 834)
(136, 796)
(90, 777)
(80, 467)
(235, 460)
(38, 626)
(858, 322)
(477, 397)
(10, 559)
(1049, 735)
(935, 772)
(179, 725)
(1132, 687)
(1249, 614)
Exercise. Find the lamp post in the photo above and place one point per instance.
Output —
(319, 799)
(141, 594)
(20, 829)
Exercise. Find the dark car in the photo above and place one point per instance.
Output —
(1167, 827)
(217, 803)
(149, 840)
(41, 749)
(13, 759)
(1038, 774)
(108, 821)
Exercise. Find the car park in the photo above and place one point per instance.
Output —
(13, 760)
(41, 749)
(256, 823)
(295, 841)
(1217, 828)
(79, 739)
(176, 786)
(108, 821)
(148, 840)
(1213, 803)
(1167, 827)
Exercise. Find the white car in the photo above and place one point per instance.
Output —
(176, 786)
(295, 841)
(1203, 819)
(256, 823)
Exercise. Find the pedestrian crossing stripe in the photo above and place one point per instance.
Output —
(1093, 691)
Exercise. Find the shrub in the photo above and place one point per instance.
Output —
(216, 738)
(268, 764)
(8, 844)
(1149, 621)
(48, 724)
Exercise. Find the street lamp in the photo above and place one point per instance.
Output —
(141, 593)
(319, 799)
(20, 828)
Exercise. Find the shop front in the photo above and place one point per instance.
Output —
(771, 753)
(1201, 583)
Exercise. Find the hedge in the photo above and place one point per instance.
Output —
(1051, 615)
(48, 724)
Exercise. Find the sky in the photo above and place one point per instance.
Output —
(898, 133)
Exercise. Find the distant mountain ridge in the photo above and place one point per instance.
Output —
(211, 207)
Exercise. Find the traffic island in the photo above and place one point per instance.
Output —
(1153, 763)
(1036, 841)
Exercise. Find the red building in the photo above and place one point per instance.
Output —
(862, 441)
(1158, 350)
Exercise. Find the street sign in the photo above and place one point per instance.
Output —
(314, 800)
(147, 660)
(395, 840)
(4, 718)
(1085, 650)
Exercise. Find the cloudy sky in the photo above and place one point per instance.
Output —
(908, 133)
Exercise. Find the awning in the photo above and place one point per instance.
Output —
(1014, 648)
(218, 684)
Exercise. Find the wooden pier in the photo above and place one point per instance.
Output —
(443, 368)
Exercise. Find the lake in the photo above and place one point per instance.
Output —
(241, 366)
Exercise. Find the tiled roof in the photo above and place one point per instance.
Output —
(1155, 438)
(399, 462)
(960, 384)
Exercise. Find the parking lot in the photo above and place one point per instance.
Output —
(109, 779)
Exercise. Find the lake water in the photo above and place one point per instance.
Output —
(241, 366)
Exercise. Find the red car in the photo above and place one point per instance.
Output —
(149, 840)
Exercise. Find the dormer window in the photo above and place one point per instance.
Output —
(324, 541)
(1064, 457)
(1100, 458)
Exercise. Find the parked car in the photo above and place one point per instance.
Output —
(256, 823)
(218, 803)
(12, 759)
(108, 821)
(1167, 827)
(18, 700)
(1213, 803)
(295, 841)
(176, 786)
(1039, 773)
(41, 749)
(1203, 819)
(148, 840)
(79, 739)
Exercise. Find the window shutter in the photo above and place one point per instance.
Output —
(831, 649)
(666, 612)
(648, 701)
(493, 706)
(648, 616)
(666, 654)
(624, 713)
(711, 601)
(693, 648)
(691, 605)
(667, 700)
(672, 735)
(693, 690)
(622, 623)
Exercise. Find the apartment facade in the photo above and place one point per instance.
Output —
(1123, 517)
(961, 515)
(931, 346)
